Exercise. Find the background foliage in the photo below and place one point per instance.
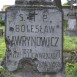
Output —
(2, 22)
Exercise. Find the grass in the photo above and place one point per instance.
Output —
(70, 43)
(71, 70)
(2, 47)
(2, 44)
(2, 27)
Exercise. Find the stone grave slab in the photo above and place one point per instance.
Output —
(34, 36)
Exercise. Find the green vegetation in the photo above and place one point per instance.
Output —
(2, 44)
(65, 25)
(2, 52)
(2, 22)
(70, 43)
(70, 46)
(2, 47)
(2, 71)
(71, 70)
(67, 3)
(2, 27)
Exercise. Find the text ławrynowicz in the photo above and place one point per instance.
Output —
(34, 41)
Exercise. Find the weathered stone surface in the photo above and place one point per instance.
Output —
(34, 38)
(39, 2)
(37, 74)
(33, 2)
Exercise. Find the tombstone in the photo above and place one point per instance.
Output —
(72, 24)
(72, 20)
(34, 39)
